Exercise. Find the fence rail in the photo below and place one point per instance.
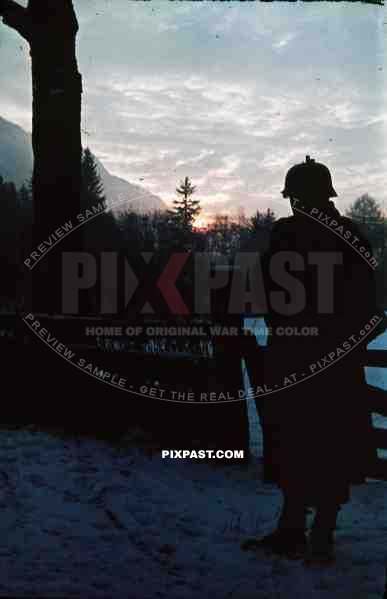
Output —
(378, 400)
(376, 358)
(380, 435)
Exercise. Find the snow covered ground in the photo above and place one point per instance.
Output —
(84, 518)
(81, 518)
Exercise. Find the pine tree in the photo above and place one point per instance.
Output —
(185, 209)
(8, 245)
(8, 202)
(99, 230)
(24, 205)
(92, 187)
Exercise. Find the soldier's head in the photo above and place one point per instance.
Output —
(310, 182)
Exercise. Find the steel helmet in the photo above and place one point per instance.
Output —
(308, 177)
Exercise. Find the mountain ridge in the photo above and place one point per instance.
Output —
(16, 163)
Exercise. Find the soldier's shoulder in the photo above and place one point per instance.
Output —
(283, 223)
(345, 220)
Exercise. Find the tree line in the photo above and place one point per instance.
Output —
(158, 232)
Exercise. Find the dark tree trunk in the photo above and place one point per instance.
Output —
(51, 29)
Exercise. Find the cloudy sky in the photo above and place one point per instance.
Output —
(229, 94)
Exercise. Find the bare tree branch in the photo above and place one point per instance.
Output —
(16, 17)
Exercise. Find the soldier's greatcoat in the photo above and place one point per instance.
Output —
(318, 430)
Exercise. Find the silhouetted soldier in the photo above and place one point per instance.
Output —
(318, 429)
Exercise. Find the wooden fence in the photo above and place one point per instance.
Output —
(378, 400)
(70, 328)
